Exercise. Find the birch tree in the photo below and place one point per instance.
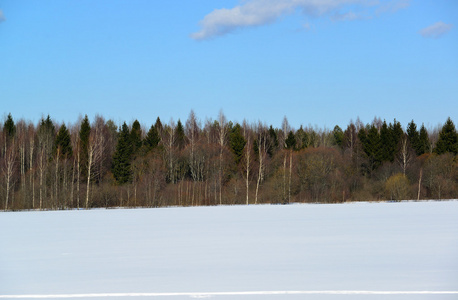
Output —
(169, 139)
(222, 136)
(405, 154)
(8, 170)
(247, 158)
(97, 143)
(262, 143)
(192, 132)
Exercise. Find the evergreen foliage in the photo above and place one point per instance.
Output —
(273, 145)
(386, 143)
(390, 136)
(290, 141)
(121, 159)
(136, 137)
(9, 128)
(371, 146)
(181, 137)
(338, 136)
(158, 125)
(63, 145)
(237, 142)
(448, 139)
(414, 137)
(152, 139)
(396, 135)
(374, 164)
(423, 141)
(302, 139)
(85, 131)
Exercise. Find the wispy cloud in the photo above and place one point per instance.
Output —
(392, 6)
(2, 17)
(436, 30)
(252, 13)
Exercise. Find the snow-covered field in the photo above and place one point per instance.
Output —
(338, 251)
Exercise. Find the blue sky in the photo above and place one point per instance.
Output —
(316, 62)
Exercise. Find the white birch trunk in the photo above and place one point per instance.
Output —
(89, 169)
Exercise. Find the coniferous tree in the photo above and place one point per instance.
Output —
(423, 141)
(136, 137)
(273, 145)
(158, 125)
(290, 141)
(338, 136)
(414, 137)
(63, 145)
(9, 128)
(181, 137)
(371, 146)
(122, 156)
(84, 133)
(237, 142)
(396, 135)
(448, 139)
(302, 139)
(386, 143)
(152, 139)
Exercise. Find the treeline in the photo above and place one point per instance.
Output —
(100, 164)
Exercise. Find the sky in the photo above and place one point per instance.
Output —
(317, 63)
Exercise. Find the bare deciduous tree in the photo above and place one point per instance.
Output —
(97, 143)
(222, 136)
(405, 154)
(8, 170)
(263, 145)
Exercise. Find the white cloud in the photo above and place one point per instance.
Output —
(393, 6)
(260, 12)
(348, 16)
(2, 17)
(436, 30)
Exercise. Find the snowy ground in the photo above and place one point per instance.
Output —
(205, 251)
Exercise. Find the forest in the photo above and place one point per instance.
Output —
(98, 163)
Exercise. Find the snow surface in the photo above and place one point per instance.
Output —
(408, 246)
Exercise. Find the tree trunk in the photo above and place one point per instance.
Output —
(32, 182)
(89, 169)
(290, 174)
(419, 184)
(73, 183)
(78, 182)
(41, 178)
(57, 179)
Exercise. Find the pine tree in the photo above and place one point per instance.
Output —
(121, 158)
(448, 139)
(371, 146)
(338, 136)
(414, 137)
(152, 139)
(273, 145)
(63, 144)
(302, 139)
(423, 141)
(158, 125)
(386, 143)
(396, 135)
(9, 128)
(290, 141)
(237, 142)
(85, 131)
(181, 137)
(136, 137)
